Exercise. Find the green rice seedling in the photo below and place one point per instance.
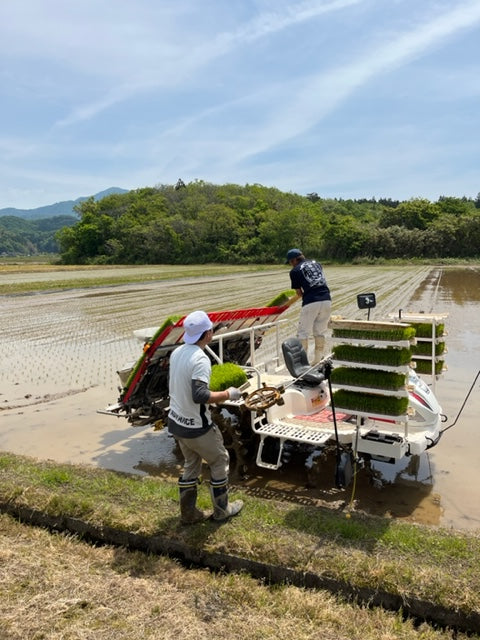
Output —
(369, 402)
(167, 323)
(371, 378)
(425, 348)
(424, 329)
(425, 366)
(227, 375)
(394, 335)
(282, 298)
(388, 356)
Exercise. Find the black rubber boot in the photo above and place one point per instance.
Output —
(222, 508)
(189, 514)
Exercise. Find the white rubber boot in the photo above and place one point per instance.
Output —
(305, 345)
(319, 349)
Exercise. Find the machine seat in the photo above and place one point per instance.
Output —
(296, 361)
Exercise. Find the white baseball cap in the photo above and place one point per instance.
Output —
(194, 325)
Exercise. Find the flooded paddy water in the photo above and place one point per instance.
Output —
(60, 350)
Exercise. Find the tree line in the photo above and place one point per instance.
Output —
(200, 222)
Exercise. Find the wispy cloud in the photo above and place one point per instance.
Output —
(284, 17)
(321, 94)
(183, 63)
(284, 112)
(272, 91)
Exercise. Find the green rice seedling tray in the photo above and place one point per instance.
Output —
(282, 298)
(425, 330)
(395, 334)
(370, 403)
(426, 348)
(368, 378)
(388, 356)
(167, 323)
(425, 366)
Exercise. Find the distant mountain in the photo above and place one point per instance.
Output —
(58, 209)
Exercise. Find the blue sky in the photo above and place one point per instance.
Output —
(345, 98)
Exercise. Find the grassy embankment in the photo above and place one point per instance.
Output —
(430, 573)
(53, 277)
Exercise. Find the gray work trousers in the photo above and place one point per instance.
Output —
(208, 447)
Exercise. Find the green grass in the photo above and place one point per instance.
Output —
(410, 560)
(39, 259)
(57, 586)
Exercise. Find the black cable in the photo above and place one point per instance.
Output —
(463, 405)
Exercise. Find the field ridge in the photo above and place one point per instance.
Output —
(366, 560)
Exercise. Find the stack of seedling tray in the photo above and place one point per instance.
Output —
(428, 354)
(371, 364)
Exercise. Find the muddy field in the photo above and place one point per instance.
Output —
(60, 352)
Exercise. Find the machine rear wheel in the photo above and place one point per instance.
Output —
(238, 437)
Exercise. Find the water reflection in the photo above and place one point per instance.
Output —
(408, 471)
(460, 286)
(401, 490)
(164, 460)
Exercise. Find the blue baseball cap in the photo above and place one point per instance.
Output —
(293, 253)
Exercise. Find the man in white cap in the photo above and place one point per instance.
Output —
(308, 280)
(190, 423)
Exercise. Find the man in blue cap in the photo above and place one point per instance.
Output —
(309, 282)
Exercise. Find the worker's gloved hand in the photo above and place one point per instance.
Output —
(234, 393)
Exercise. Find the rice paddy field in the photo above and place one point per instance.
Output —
(66, 332)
